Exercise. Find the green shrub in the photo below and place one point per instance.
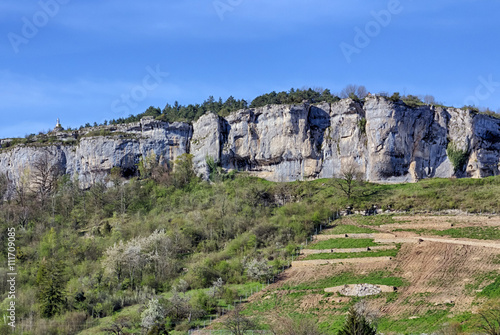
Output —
(362, 125)
(412, 101)
(492, 290)
(457, 156)
(395, 97)
(354, 97)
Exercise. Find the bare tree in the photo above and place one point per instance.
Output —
(283, 192)
(370, 314)
(429, 100)
(178, 307)
(359, 91)
(349, 177)
(45, 175)
(118, 327)
(318, 89)
(348, 90)
(23, 195)
(237, 323)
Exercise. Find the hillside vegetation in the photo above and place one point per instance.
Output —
(169, 251)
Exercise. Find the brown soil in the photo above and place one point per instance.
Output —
(373, 235)
(441, 222)
(306, 252)
(437, 269)
(361, 260)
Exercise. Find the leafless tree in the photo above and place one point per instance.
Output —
(349, 177)
(23, 195)
(359, 91)
(318, 89)
(429, 100)
(118, 327)
(237, 323)
(370, 314)
(283, 192)
(45, 175)
(178, 307)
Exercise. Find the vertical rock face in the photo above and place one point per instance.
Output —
(94, 156)
(387, 142)
(344, 139)
(274, 142)
(484, 159)
(207, 141)
(405, 144)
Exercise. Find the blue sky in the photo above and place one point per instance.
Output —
(86, 61)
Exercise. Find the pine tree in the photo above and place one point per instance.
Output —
(356, 324)
(50, 288)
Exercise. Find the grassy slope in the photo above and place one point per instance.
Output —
(341, 243)
(233, 213)
(341, 255)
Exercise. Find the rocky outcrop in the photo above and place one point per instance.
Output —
(95, 154)
(207, 141)
(360, 290)
(274, 142)
(385, 141)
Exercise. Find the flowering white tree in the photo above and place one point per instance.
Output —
(113, 262)
(258, 270)
(216, 289)
(154, 314)
(155, 253)
(160, 250)
(134, 259)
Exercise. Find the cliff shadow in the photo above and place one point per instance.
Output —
(318, 120)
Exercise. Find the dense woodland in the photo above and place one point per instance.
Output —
(177, 112)
(173, 246)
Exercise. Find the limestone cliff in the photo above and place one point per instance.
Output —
(93, 156)
(387, 142)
